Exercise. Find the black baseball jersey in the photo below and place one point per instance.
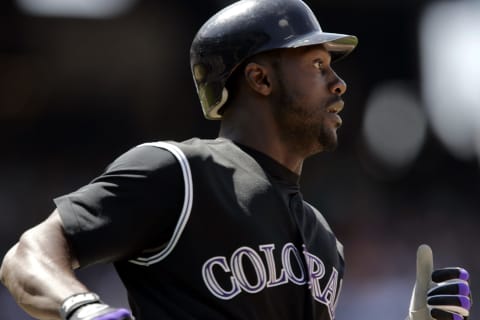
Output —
(207, 229)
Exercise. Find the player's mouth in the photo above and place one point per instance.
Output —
(336, 107)
(333, 110)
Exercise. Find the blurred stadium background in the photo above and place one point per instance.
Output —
(83, 81)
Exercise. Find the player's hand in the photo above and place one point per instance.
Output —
(100, 311)
(443, 294)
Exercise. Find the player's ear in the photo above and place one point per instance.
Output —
(258, 78)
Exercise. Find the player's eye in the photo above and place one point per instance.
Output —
(318, 64)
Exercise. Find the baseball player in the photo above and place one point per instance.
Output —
(218, 229)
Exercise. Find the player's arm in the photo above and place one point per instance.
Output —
(38, 271)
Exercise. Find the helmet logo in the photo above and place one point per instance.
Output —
(283, 23)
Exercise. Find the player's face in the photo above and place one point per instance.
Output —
(308, 99)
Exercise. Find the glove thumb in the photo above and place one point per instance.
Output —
(418, 304)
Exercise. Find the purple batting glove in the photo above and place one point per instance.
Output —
(450, 297)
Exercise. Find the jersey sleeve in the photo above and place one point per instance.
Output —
(133, 206)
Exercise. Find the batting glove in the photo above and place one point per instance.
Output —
(88, 306)
(443, 294)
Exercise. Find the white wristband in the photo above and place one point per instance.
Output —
(76, 301)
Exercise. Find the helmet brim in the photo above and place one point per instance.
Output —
(339, 45)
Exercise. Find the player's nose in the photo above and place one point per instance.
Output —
(337, 85)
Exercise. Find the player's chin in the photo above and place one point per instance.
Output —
(328, 139)
(330, 147)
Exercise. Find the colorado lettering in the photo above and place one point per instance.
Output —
(294, 269)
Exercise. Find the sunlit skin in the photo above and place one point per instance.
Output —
(308, 100)
(288, 105)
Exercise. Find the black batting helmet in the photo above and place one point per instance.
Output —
(246, 28)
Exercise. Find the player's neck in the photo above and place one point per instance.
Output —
(257, 133)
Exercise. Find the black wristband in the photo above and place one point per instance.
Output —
(72, 303)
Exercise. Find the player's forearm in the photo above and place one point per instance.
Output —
(38, 272)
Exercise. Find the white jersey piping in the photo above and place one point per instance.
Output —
(186, 209)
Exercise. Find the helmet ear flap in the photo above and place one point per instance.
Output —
(246, 28)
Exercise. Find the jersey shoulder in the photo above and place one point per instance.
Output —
(143, 158)
(221, 152)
